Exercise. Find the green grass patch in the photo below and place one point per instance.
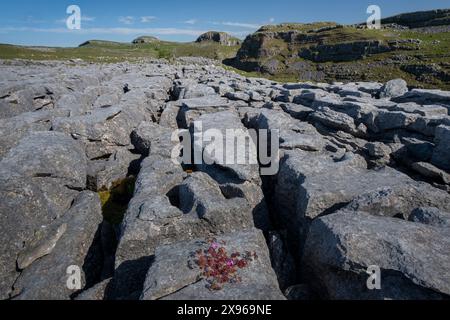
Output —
(115, 201)
(105, 51)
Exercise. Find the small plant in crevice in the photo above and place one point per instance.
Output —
(217, 266)
(115, 201)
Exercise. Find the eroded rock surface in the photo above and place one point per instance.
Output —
(362, 179)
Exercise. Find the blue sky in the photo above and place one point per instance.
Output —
(42, 22)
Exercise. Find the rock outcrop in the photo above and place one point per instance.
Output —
(420, 19)
(222, 38)
(304, 51)
(145, 39)
(341, 248)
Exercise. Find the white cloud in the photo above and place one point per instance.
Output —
(147, 19)
(31, 19)
(84, 18)
(117, 31)
(126, 20)
(272, 20)
(239, 34)
(87, 18)
(241, 25)
(191, 21)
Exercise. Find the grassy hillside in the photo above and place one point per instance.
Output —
(327, 51)
(107, 51)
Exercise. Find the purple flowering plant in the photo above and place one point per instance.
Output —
(217, 266)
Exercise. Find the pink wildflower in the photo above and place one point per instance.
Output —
(214, 245)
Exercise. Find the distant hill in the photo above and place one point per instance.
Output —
(109, 51)
(145, 39)
(222, 38)
(100, 43)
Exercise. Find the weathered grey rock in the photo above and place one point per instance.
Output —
(32, 98)
(370, 87)
(240, 173)
(190, 89)
(353, 92)
(347, 51)
(36, 171)
(216, 164)
(12, 130)
(426, 110)
(95, 128)
(389, 120)
(306, 139)
(394, 88)
(49, 154)
(282, 260)
(413, 257)
(337, 120)
(317, 98)
(172, 278)
(169, 116)
(255, 96)
(32, 210)
(238, 96)
(293, 134)
(431, 216)
(421, 150)
(40, 247)
(104, 174)
(425, 96)
(428, 170)
(107, 100)
(150, 220)
(76, 103)
(180, 85)
(151, 136)
(399, 200)
(47, 277)
(306, 85)
(378, 150)
(96, 293)
(441, 154)
(427, 125)
(309, 186)
(154, 216)
(105, 129)
(200, 195)
(193, 108)
(297, 111)
(222, 88)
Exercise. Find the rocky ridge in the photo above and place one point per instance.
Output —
(421, 19)
(364, 180)
(145, 39)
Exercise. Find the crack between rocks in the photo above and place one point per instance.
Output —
(178, 290)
